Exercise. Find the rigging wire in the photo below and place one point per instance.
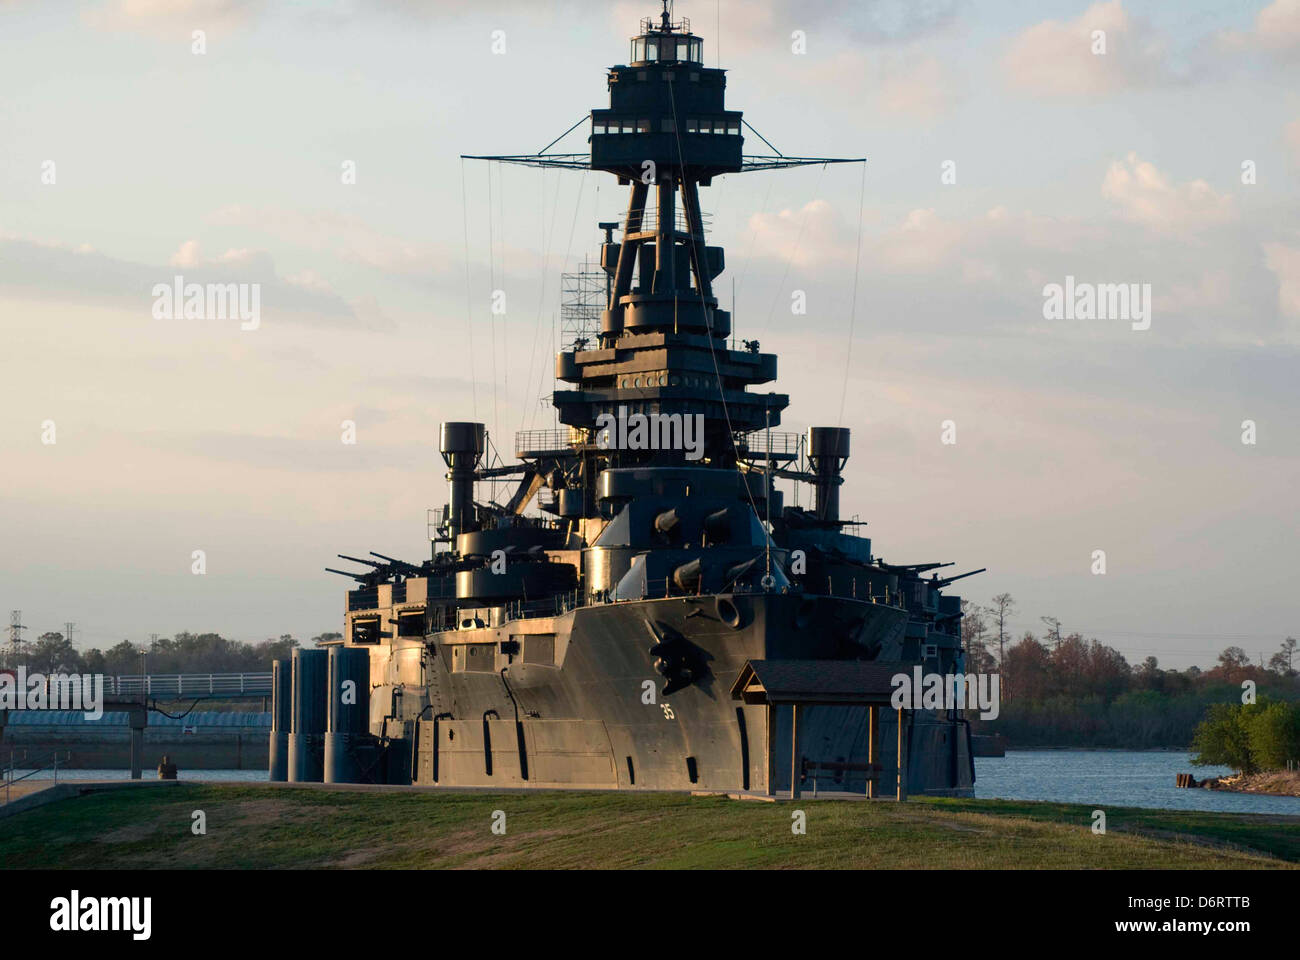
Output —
(853, 304)
(794, 251)
(505, 315)
(469, 303)
(713, 349)
(492, 280)
(548, 240)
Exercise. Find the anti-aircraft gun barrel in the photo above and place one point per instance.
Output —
(370, 563)
(409, 569)
(359, 577)
(960, 576)
(914, 568)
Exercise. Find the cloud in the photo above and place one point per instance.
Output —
(1145, 195)
(167, 18)
(348, 238)
(1057, 58)
(79, 274)
(1284, 261)
(1217, 276)
(915, 87)
(1291, 136)
(1276, 32)
(187, 255)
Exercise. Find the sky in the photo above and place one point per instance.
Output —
(1005, 153)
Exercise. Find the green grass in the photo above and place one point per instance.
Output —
(262, 827)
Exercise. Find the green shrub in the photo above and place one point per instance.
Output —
(1248, 737)
(1274, 734)
(1222, 740)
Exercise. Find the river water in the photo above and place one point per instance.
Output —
(1117, 778)
(1114, 778)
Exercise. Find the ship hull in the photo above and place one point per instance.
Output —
(594, 713)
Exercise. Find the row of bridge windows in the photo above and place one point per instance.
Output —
(663, 379)
(683, 49)
(645, 125)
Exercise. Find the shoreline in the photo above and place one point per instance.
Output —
(1276, 783)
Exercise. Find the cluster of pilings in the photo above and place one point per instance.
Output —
(320, 706)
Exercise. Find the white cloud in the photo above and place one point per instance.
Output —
(915, 87)
(164, 18)
(1284, 261)
(346, 237)
(1145, 195)
(1276, 32)
(67, 273)
(187, 255)
(1291, 135)
(1057, 58)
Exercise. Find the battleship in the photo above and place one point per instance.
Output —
(644, 611)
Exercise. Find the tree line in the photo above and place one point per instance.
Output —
(1060, 690)
(52, 652)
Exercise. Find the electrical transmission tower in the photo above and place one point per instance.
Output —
(16, 629)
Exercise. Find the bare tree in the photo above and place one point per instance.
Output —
(1053, 632)
(1282, 661)
(974, 631)
(1002, 608)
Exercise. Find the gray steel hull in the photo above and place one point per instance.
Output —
(596, 716)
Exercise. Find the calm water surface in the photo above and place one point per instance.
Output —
(253, 776)
(1103, 777)
(1116, 778)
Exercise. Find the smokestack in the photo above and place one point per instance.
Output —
(462, 447)
(828, 452)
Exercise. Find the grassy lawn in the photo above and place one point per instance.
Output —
(262, 827)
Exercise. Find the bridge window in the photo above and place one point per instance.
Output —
(410, 624)
(365, 630)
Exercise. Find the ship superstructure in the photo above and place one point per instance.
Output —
(588, 630)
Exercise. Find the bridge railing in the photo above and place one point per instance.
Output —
(182, 684)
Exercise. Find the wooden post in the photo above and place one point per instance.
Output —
(873, 755)
(794, 751)
(771, 750)
(902, 756)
